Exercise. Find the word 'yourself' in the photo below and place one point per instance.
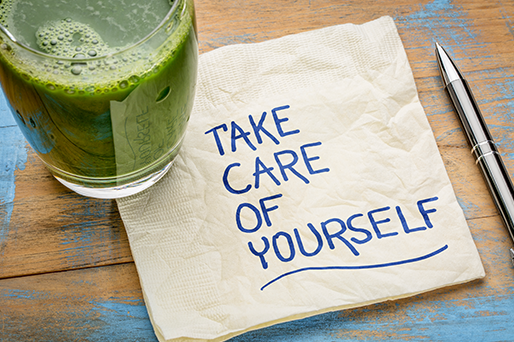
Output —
(358, 229)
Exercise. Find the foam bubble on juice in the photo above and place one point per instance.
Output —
(5, 9)
(68, 38)
(79, 45)
(120, 23)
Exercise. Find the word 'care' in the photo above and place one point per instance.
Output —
(250, 136)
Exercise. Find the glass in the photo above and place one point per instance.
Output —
(106, 121)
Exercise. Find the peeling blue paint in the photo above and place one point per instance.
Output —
(448, 133)
(441, 21)
(114, 319)
(90, 222)
(496, 91)
(120, 319)
(411, 322)
(468, 207)
(506, 19)
(126, 319)
(22, 294)
(13, 155)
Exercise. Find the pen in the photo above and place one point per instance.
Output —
(482, 144)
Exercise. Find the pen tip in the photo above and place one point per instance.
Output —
(439, 49)
(449, 71)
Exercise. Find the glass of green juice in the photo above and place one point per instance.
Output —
(102, 90)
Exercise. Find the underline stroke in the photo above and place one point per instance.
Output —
(360, 267)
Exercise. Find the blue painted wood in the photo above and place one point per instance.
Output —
(13, 156)
(105, 303)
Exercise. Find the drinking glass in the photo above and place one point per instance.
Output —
(107, 119)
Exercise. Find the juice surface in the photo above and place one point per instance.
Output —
(118, 23)
(90, 107)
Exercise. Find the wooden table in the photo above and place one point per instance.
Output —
(66, 270)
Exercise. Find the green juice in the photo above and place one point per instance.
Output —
(102, 90)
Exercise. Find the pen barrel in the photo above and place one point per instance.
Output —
(469, 114)
(484, 149)
(500, 186)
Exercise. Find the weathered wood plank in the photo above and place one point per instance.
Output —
(53, 229)
(45, 228)
(105, 304)
(97, 304)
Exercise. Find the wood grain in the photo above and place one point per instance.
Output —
(53, 229)
(105, 304)
(66, 271)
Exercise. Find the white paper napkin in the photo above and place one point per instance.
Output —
(309, 181)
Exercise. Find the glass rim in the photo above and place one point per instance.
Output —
(163, 23)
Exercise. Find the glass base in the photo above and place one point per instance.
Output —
(117, 191)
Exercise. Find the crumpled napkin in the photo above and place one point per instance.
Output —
(309, 181)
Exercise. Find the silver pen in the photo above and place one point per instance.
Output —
(482, 144)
